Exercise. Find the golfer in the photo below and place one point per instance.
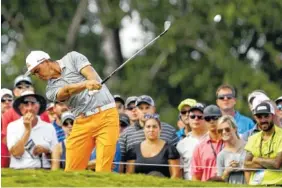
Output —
(97, 124)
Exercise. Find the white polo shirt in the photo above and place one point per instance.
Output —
(43, 134)
(185, 148)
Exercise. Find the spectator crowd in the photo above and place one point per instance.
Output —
(209, 142)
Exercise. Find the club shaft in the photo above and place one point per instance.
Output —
(122, 65)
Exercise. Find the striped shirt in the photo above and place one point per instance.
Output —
(59, 132)
(135, 134)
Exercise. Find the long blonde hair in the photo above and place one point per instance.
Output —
(230, 121)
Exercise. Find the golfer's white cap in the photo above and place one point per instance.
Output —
(35, 58)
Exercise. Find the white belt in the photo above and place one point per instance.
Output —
(100, 109)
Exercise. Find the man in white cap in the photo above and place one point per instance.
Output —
(69, 80)
(29, 139)
(6, 100)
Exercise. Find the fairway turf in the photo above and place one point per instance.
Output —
(44, 178)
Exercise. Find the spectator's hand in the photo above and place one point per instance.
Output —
(93, 85)
(234, 164)
(39, 150)
(27, 119)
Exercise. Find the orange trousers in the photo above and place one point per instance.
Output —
(100, 130)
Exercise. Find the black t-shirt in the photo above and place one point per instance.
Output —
(167, 152)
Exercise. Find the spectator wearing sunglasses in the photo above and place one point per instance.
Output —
(153, 150)
(119, 103)
(278, 103)
(226, 101)
(6, 100)
(130, 109)
(6, 104)
(184, 108)
(59, 152)
(203, 165)
(21, 84)
(186, 146)
(29, 139)
(264, 149)
(135, 134)
(233, 154)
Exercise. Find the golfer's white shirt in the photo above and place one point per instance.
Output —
(185, 148)
(43, 134)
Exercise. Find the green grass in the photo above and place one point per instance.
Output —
(44, 178)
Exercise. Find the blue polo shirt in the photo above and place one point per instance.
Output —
(244, 123)
(59, 132)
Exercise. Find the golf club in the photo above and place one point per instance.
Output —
(167, 25)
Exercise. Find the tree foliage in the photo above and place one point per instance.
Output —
(210, 43)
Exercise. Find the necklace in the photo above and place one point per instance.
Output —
(269, 147)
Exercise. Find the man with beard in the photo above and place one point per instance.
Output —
(264, 149)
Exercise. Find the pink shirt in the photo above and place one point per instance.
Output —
(204, 156)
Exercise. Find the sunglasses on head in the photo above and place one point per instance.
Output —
(260, 116)
(184, 112)
(68, 122)
(214, 118)
(152, 116)
(196, 116)
(227, 96)
(6, 100)
(227, 129)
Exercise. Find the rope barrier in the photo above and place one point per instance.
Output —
(168, 165)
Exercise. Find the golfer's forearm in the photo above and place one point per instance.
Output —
(69, 90)
(18, 149)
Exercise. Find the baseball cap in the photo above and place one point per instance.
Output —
(145, 99)
(259, 99)
(212, 110)
(5, 91)
(124, 119)
(22, 78)
(254, 94)
(67, 115)
(198, 106)
(35, 58)
(278, 100)
(264, 108)
(189, 102)
(129, 100)
(118, 98)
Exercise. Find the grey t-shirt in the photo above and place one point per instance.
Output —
(71, 65)
(224, 158)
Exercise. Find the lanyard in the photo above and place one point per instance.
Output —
(269, 147)
(213, 150)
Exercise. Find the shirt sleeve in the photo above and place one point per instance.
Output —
(122, 142)
(7, 118)
(79, 61)
(54, 139)
(131, 154)
(12, 136)
(220, 163)
(44, 117)
(172, 152)
(196, 167)
(51, 93)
